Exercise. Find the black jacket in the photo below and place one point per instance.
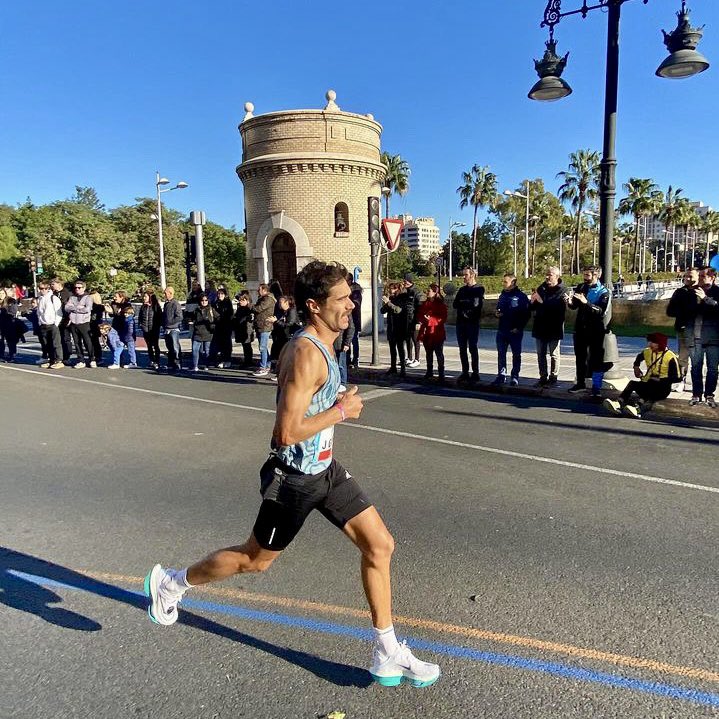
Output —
(468, 302)
(410, 298)
(396, 327)
(549, 315)
(592, 317)
(224, 311)
(150, 319)
(204, 319)
(244, 331)
(683, 307)
(171, 315)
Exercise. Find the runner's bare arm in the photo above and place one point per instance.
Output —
(303, 371)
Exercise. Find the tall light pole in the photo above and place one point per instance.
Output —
(159, 182)
(514, 193)
(683, 61)
(452, 225)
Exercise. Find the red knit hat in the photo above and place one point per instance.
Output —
(659, 339)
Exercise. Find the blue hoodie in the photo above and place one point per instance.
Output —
(514, 306)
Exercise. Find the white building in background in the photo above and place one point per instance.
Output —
(655, 228)
(421, 234)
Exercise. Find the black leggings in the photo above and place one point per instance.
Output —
(396, 346)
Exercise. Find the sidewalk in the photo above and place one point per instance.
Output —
(676, 405)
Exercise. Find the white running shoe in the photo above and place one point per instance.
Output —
(163, 602)
(93, 364)
(262, 372)
(633, 411)
(79, 365)
(113, 366)
(402, 666)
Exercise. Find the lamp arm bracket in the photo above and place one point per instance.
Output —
(553, 12)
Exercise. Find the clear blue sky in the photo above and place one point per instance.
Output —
(103, 94)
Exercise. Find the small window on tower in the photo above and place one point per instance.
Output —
(342, 220)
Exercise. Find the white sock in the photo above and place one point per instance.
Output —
(386, 640)
(177, 581)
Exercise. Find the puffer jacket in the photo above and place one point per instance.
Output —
(264, 309)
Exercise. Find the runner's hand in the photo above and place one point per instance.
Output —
(351, 402)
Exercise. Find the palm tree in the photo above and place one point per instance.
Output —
(479, 189)
(669, 214)
(580, 185)
(643, 198)
(710, 228)
(397, 178)
(688, 217)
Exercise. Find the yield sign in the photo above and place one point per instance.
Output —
(391, 230)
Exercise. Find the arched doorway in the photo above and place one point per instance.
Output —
(284, 261)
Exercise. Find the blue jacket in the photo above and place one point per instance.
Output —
(513, 305)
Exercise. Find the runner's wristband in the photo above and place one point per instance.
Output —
(342, 411)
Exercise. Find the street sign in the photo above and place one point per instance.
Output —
(391, 230)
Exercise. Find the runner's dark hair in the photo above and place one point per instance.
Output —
(314, 282)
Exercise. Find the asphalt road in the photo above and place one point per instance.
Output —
(556, 562)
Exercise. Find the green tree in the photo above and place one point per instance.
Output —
(643, 198)
(670, 214)
(397, 178)
(710, 229)
(478, 189)
(398, 262)
(580, 186)
(8, 234)
(224, 254)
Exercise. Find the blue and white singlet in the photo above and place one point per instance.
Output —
(314, 455)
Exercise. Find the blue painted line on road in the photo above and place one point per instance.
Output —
(669, 691)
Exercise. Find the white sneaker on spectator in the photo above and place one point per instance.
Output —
(261, 372)
(613, 405)
(79, 365)
(390, 671)
(132, 365)
(93, 364)
(113, 366)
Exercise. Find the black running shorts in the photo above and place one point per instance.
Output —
(288, 497)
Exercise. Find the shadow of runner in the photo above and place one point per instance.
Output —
(28, 594)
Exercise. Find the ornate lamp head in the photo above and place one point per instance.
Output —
(550, 85)
(683, 60)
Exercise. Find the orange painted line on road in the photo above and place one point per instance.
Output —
(444, 628)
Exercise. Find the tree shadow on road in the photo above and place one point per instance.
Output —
(27, 582)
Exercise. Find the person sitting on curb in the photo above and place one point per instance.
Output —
(513, 314)
(662, 370)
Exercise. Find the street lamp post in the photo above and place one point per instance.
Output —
(683, 61)
(452, 225)
(159, 182)
(514, 193)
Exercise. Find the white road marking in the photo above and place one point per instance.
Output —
(396, 433)
(376, 393)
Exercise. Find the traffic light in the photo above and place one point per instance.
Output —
(373, 220)
(38, 265)
(190, 248)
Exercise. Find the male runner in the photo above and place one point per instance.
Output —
(301, 475)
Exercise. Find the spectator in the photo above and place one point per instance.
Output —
(655, 383)
(150, 321)
(221, 345)
(592, 301)
(548, 302)
(275, 289)
(264, 319)
(287, 322)
(513, 313)
(8, 332)
(619, 286)
(432, 316)
(649, 283)
(412, 299)
(211, 292)
(97, 317)
(395, 338)
(356, 297)
(49, 316)
(64, 294)
(683, 307)
(203, 327)
(468, 302)
(123, 332)
(171, 322)
(244, 331)
(703, 339)
(32, 317)
(342, 345)
(640, 282)
(79, 311)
